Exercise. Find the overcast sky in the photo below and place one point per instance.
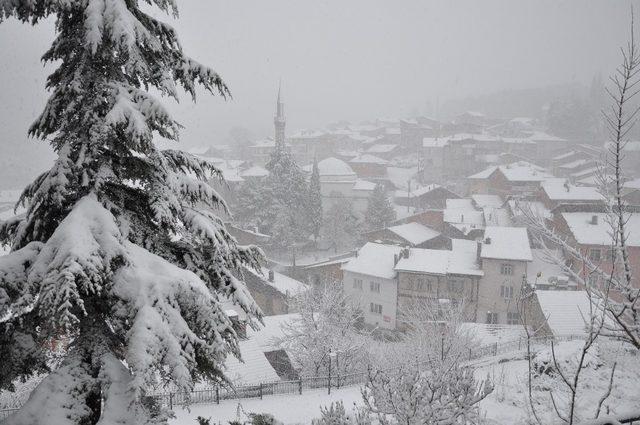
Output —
(345, 59)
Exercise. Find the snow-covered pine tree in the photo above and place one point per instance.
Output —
(380, 212)
(288, 188)
(314, 202)
(119, 252)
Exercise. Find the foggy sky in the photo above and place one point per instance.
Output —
(344, 59)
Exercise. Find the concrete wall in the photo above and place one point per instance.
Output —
(387, 297)
(489, 298)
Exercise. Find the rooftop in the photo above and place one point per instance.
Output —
(332, 167)
(588, 231)
(506, 243)
(415, 233)
(368, 159)
(374, 259)
(562, 190)
(521, 171)
(461, 260)
(565, 311)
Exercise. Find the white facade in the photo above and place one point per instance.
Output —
(376, 296)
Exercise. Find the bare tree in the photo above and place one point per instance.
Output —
(423, 380)
(327, 326)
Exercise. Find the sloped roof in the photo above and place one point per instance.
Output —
(565, 311)
(368, 159)
(415, 233)
(364, 185)
(562, 190)
(374, 259)
(517, 171)
(482, 200)
(506, 243)
(586, 233)
(461, 259)
(381, 148)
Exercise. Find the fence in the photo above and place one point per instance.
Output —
(217, 393)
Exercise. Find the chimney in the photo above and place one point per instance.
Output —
(487, 241)
(478, 249)
(594, 219)
(395, 259)
(566, 185)
(272, 276)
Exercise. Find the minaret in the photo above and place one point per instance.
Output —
(279, 120)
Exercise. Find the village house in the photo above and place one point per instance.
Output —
(504, 255)
(369, 279)
(369, 166)
(554, 192)
(410, 235)
(432, 196)
(272, 291)
(556, 313)
(590, 233)
(440, 278)
(520, 178)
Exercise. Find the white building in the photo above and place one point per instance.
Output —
(504, 255)
(370, 280)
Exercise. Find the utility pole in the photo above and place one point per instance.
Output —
(408, 194)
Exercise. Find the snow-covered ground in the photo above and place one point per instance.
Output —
(507, 404)
(288, 408)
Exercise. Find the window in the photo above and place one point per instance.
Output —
(454, 286)
(374, 286)
(492, 318)
(357, 284)
(595, 254)
(506, 292)
(375, 308)
(425, 286)
(506, 269)
(513, 318)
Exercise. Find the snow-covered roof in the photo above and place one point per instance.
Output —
(266, 143)
(472, 218)
(374, 259)
(415, 233)
(368, 159)
(364, 185)
(282, 283)
(482, 200)
(461, 260)
(255, 368)
(585, 173)
(381, 148)
(574, 164)
(506, 243)
(587, 232)
(540, 136)
(307, 134)
(564, 156)
(432, 261)
(332, 167)
(536, 207)
(562, 190)
(496, 216)
(565, 311)
(255, 171)
(518, 171)
(550, 272)
(460, 204)
(632, 184)
(432, 142)
(416, 192)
